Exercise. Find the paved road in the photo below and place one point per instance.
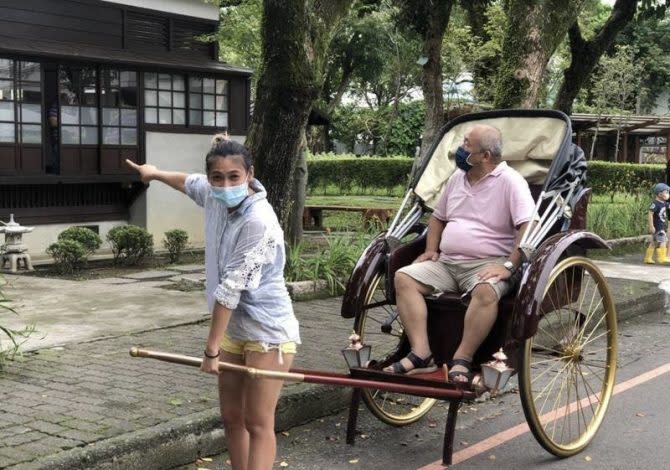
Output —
(632, 437)
(79, 401)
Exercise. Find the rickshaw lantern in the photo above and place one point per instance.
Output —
(496, 373)
(356, 354)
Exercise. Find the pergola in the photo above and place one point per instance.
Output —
(630, 127)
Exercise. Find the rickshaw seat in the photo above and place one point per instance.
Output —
(446, 313)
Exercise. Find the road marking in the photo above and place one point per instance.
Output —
(515, 431)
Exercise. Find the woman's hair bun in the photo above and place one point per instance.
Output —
(220, 138)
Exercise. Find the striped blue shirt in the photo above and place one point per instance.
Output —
(244, 265)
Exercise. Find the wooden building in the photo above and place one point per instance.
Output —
(85, 84)
(631, 131)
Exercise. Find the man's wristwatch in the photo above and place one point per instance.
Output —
(509, 266)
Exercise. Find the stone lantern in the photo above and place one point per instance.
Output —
(14, 250)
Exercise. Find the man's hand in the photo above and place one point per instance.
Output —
(210, 365)
(494, 271)
(147, 172)
(427, 256)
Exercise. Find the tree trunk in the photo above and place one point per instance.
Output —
(535, 30)
(431, 80)
(586, 54)
(295, 40)
(483, 70)
(294, 227)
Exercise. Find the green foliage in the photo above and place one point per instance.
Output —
(90, 240)
(467, 49)
(333, 263)
(69, 255)
(616, 82)
(239, 34)
(348, 171)
(618, 215)
(632, 178)
(10, 338)
(175, 242)
(385, 68)
(130, 244)
(391, 130)
(650, 37)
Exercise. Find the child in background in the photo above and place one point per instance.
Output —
(657, 221)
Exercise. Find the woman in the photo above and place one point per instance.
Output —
(252, 317)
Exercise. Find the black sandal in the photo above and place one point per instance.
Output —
(421, 365)
(459, 373)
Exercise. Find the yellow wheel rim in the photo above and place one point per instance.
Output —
(568, 369)
(396, 409)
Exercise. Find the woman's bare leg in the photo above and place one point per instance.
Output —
(261, 401)
(232, 398)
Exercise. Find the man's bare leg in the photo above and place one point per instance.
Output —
(413, 313)
(479, 319)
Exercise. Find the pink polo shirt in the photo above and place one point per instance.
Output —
(481, 219)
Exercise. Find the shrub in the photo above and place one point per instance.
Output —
(175, 242)
(130, 244)
(90, 240)
(68, 255)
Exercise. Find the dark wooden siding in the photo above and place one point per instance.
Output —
(102, 24)
(145, 31)
(240, 91)
(62, 20)
(66, 203)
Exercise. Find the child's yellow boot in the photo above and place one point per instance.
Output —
(661, 255)
(649, 255)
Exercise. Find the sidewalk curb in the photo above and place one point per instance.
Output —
(649, 302)
(182, 441)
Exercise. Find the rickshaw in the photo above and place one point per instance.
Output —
(558, 327)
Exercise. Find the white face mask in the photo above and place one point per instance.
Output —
(230, 196)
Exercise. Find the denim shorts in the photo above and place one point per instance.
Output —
(660, 236)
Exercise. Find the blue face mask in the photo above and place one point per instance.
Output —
(462, 156)
(230, 196)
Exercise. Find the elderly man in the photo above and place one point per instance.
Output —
(470, 249)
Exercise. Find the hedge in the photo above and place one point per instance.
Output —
(607, 177)
(347, 171)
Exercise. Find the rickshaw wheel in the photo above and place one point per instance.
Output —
(379, 326)
(567, 370)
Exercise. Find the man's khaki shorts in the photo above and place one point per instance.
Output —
(458, 277)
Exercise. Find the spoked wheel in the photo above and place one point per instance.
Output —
(379, 326)
(567, 370)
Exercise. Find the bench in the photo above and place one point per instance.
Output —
(312, 215)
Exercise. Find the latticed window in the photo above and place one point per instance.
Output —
(119, 107)
(164, 99)
(78, 90)
(208, 102)
(20, 102)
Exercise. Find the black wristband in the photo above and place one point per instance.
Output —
(214, 356)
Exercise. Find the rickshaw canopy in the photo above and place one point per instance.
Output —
(536, 143)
